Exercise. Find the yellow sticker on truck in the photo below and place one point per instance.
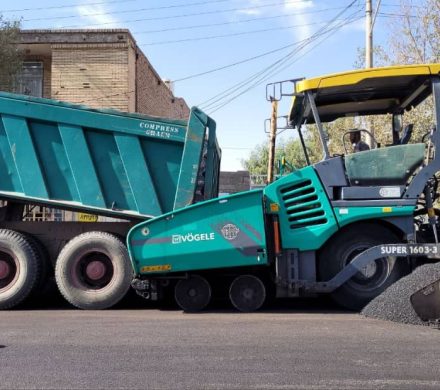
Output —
(156, 268)
(83, 217)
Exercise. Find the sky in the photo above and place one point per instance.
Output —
(222, 53)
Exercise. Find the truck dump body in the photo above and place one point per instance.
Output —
(103, 161)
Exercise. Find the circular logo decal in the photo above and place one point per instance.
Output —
(230, 231)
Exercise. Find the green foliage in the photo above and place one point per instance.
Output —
(10, 54)
(291, 150)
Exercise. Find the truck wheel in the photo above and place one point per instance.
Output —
(192, 294)
(19, 268)
(247, 293)
(374, 279)
(93, 271)
(45, 266)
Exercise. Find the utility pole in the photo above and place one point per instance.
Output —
(368, 34)
(369, 23)
(272, 139)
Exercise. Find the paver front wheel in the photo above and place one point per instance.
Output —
(374, 278)
(247, 293)
(193, 294)
(93, 271)
(19, 268)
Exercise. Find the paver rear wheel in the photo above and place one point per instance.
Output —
(93, 271)
(19, 268)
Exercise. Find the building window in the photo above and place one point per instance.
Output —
(30, 79)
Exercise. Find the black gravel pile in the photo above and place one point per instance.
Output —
(394, 303)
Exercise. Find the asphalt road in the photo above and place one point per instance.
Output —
(286, 348)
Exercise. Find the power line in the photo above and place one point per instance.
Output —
(173, 16)
(406, 6)
(229, 35)
(129, 11)
(259, 76)
(272, 69)
(188, 15)
(248, 60)
(266, 77)
(236, 87)
(192, 27)
(393, 15)
(65, 6)
(236, 63)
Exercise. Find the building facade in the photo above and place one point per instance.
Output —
(98, 68)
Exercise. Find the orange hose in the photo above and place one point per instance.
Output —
(276, 236)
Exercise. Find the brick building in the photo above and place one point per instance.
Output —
(99, 68)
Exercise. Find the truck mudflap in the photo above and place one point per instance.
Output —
(430, 251)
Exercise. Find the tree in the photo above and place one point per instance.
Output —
(291, 150)
(416, 33)
(10, 54)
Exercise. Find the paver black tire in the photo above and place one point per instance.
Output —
(93, 271)
(375, 278)
(19, 268)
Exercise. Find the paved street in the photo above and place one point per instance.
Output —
(285, 348)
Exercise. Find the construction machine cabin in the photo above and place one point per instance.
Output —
(349, 225)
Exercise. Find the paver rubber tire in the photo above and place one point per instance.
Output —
(377, 276)
(93, 271)
(247, 293)
(19, 268)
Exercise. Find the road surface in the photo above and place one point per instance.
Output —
(284, 348)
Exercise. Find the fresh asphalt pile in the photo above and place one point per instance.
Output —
(394, 303)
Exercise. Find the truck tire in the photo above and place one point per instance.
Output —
(45, 267)
(377, 276)
(19, 268)
(93, 271)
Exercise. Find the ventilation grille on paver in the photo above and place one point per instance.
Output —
(302, 205)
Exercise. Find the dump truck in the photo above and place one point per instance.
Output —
(124, 168)
(349, 225)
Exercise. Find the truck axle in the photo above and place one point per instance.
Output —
(5, 269)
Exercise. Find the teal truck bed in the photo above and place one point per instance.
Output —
(104, 161)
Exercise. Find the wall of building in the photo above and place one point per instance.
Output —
(92, 74)
(153, 96)
(232, 182)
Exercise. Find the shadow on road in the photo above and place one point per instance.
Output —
(54, 301)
